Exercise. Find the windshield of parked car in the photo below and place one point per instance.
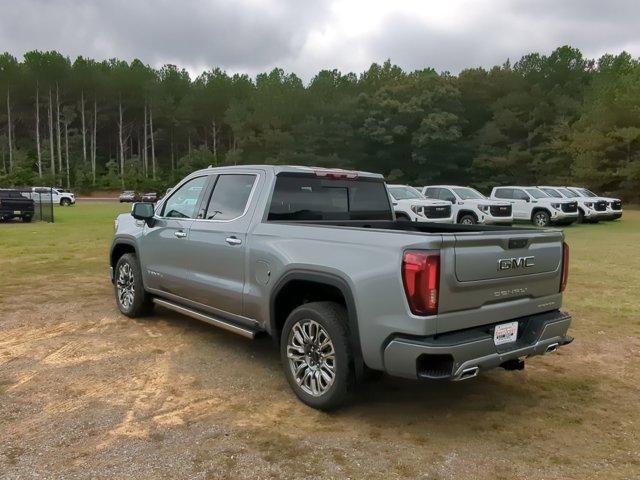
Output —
(305, 197)
(568, 193)
(405, 193)
(551, 192)
(466, 193)
(536, 193)
(585, 192)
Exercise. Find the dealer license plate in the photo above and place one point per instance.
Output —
(17, 212)
(505, 333)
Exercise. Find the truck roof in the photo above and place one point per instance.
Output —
(276, 169)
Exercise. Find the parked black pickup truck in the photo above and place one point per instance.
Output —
(13, 204)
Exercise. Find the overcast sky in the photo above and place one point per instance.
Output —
(304, 36)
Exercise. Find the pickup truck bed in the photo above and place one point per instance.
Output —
(416, 300)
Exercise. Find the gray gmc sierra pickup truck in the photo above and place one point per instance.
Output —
(315, 258)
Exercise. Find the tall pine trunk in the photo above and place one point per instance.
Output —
(39, 151)
(153, 144)
(214, 141)
(58, 129)
(52, 150)
(173, 163)
(9, 128)
(121, 141)
(84, 129)
(145, 159)
(94, 140)
(66, 151)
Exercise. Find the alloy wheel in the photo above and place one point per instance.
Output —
(540, 219)
(126, 285)
(312, 357)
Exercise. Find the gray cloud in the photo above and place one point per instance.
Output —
(256, 35)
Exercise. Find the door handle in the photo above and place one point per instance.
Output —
(233, 240)
(180, 234)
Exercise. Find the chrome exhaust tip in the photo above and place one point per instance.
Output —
(551, 348)
(469, 373)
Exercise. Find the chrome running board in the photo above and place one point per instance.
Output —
(205, 317)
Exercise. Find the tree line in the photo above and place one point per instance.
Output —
(545, 119)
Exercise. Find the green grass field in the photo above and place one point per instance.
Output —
(84, 386)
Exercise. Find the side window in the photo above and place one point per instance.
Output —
(230, 196)
(432, 192)
(504, 193)
(183, 202)
(445, 194)
(519, 194)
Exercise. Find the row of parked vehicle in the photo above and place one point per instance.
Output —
(540, 205)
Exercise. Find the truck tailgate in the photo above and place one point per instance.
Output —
(501, 275)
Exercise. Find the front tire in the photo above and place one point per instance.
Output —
(467, 219)
(541, 219)
(65, 202)
(131, 298)
(316, 354)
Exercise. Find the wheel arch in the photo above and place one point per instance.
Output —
(462, 213)
(323, 282)
(118, 249)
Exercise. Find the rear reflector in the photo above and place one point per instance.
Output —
(565, 266)
(421, 278)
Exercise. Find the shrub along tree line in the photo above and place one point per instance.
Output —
(556, 119)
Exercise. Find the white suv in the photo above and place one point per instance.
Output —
(613, 209)
(470, 206)
(410, 204)
(533, 205)
(589, 211)
(55, 195)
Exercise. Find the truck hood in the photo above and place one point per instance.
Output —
(426, 202)
(484, 201)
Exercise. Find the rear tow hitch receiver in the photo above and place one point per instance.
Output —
(513, 364)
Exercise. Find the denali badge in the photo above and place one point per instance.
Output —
(515, 263)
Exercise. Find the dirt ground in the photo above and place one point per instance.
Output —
(88, 393)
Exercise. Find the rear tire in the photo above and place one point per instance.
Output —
(316, 354)
(26, 219)
(541, 219)
(131, 298)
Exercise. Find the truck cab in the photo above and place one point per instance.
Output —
(530, 204)
(470, 206)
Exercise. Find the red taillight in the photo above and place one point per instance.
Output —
(565, 266)
(421, 277)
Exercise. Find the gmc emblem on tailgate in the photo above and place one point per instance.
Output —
(515, 263)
